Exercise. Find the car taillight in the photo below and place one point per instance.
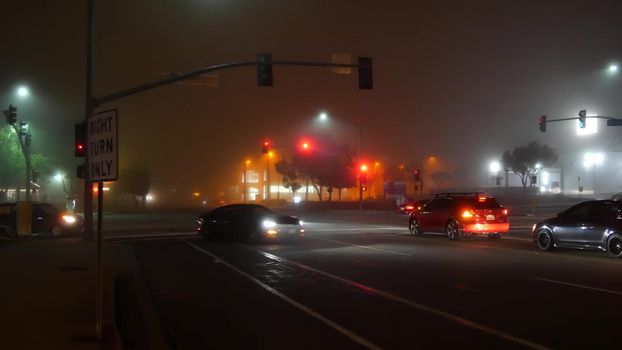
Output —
(468, 214)
(409, 207)
(505, 212)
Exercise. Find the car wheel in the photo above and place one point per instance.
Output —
(57, 231)
(494, 236)
(614, 247)
(414, 228)
(544, 240)
(452, 231)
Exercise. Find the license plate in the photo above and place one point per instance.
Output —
(490, 217)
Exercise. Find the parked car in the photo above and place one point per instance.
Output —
(592, 225)
(248, 221)
(460, 214)
(46, 218)
(409, 206)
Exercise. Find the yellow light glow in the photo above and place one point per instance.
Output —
(467, 214)
(272, 232)
(248, 162)
(196, 194)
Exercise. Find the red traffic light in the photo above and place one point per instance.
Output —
(305, 146)
(364, 168)
(266, 147)
(542, 123)
(80, 139)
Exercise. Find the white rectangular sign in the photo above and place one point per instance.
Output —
(102, 138)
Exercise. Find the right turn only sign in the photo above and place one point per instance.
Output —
(102, 141)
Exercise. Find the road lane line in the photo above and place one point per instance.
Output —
(151, 235)
(364, 247)
(311, 229)
(578, 286)
(348, 333)
(415, 305)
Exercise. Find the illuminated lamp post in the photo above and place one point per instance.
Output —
(323, 117)
(245, 176)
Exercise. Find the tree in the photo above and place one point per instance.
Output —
(13, 164)
(329, 165)
(290, 175)
(135, 181)
(527, 161)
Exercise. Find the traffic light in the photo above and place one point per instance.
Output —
(417, 175)
(23, 127)
(543, 123)
(80, 170)
(80, 139)
(582, 117)
(27, 139)
(364, 187)
(266, 147)
(11, 115)
(264, 69)
(366, 80)
(363, 175)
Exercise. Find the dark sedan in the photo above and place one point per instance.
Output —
(593, 225)
(46, 218)
(248, 221)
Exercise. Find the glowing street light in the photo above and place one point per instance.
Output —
(613, 68)
(494, 167)
(22, 91)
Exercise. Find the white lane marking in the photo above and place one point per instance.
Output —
(310, 229)
(152, 235)
(578, 286)
(415, 305)
(516, 238)
(364, 247)
(348, 333)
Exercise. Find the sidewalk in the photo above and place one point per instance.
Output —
(47, 295)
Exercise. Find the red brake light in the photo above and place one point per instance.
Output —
(505, 212)
(409, 207)
(481, 199)
(468, 214)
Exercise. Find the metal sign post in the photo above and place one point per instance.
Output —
(103, 165)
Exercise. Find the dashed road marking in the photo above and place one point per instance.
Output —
(415, 305)
(578, 286)
(348, 333)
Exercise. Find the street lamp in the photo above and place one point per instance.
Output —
(245, 176)
(22, 91)
(323, 117)
(613, 68)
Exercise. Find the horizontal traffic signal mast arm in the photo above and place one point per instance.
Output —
(575, 118)
(179, 77)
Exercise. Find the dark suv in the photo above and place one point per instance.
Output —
(458, 214)
(46, 218)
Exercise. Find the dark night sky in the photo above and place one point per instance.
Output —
(460, 81)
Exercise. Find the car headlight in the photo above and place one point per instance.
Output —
(268, 224)
(200, 221)
(69, 219)
(301, 222)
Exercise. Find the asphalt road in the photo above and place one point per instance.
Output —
(360, 281)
